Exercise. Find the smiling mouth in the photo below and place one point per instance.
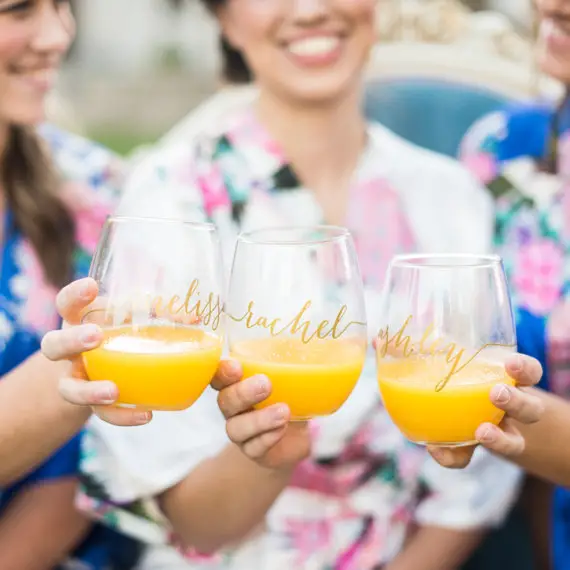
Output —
(319, 46)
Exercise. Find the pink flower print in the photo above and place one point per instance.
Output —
(482, 165)
(379, 227)
(558, 350)
(214, 192)
(538, 275)
(90, 213)
(410, 462)
(308, 537)
(38, 306)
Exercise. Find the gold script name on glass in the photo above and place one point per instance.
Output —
(193, 307)
(400, 345)
(299, 324)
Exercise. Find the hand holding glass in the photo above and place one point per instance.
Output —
(160, 307)
(447, 329)
(296, 314)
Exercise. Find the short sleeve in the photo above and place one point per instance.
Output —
(479, 496)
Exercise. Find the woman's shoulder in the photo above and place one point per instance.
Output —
(79, 160)
(443, 201)
(91, 179)
(518, 130)
(417, 169)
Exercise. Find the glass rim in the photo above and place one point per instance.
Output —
(332, 234)
(438, 261)
(203, 226)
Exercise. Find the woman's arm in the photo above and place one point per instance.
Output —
(34, 419)
(546, 453)
(222, 500)
(433, 548)
(41, 527)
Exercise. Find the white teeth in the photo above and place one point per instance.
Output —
(314, 46)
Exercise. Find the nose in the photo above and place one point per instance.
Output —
(309, 11)
(55, 29)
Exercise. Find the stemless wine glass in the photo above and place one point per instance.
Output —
(160, 307)
(296, 314)
(447, 328)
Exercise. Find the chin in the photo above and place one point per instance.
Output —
(26, 117)
(322, 91)
(555, 68)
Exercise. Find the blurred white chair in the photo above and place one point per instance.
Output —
(436, 69)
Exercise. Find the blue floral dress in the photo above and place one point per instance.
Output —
(523, 156)
(91, 176)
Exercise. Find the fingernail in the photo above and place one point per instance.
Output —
(105, 396)
(501, 394)
(261, 386)
(487, 435)
(280, 414)
(516, 363)
(90, 336)
(142, 418)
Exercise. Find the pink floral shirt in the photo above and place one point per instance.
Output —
(352, 505)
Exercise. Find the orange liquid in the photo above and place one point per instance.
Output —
(313, 379)
(450, 416)
(155, 367)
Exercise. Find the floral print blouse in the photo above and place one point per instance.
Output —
(27, 301)
(352, 505)
(507, 152)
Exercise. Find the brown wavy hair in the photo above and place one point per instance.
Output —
(31, 189)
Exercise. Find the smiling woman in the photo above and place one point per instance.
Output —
(46, 224)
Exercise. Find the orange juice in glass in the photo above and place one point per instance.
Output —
(295, 314)
(447, 330)
(160, 309)
(314, 379)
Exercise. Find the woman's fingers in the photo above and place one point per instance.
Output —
(260, 446)
(524, 370)
(244, 427)
(452, 458)
(229, 372)
(74, 298)
(242, 396)
(519, 404)
(100, 395)
(71, 342)
(85, 393)
(122, 416)
(507, 441)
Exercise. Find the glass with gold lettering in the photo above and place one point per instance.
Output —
(160, 307)
(447, 328)
(296, 314)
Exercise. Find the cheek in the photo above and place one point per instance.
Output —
(13, 42)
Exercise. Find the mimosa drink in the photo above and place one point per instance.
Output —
(429, 411)
(313, 379)
(156, 367)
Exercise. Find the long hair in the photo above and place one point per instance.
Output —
(30, 184)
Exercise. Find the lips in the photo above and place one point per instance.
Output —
(39, 78)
